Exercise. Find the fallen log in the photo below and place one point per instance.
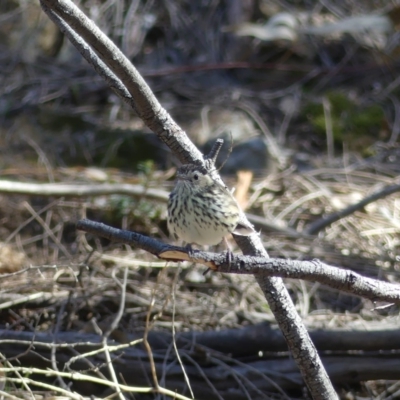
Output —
(228, 362)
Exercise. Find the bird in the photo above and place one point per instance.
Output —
(202, 210)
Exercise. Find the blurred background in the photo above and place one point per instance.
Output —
(218, 67)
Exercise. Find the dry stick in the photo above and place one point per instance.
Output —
(114, 326)
(273, 147)
(322, 223)
(146, 343)
(53, 350)
(47, 229)
(77, 376)
(27, 381)
(255, 371)
(80, 190)
(85, 190)
(201, 373)
(147, 346)
(42, 156)
(174, 335)
(7, 362)
(166, 362)
(91, 365)
(110, 349)
(314, 271)
(6, 395)
(82, 31)
(238, 378)
(30, 219)
(22, 299)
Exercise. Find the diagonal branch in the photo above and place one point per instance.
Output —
(108, 60)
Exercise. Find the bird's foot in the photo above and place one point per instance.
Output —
(229, 257)
(229, 254)
(191, 252)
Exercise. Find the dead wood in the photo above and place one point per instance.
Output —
(345, 280)
(256, 354)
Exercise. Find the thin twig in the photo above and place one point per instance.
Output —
(7, 395)
(98, 351)
(47, 229)
(42, 156)
(9, 365)
(120, 75)
(174, 335)
(322, 223)
(146, 342)
(114, 326)
(85, 378)
(24, 299)
(238, 378)
(329, 129)
(30, 219)
(53, 350)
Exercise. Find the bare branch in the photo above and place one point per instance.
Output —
(314, 271)
(80, 190)
(116, 69)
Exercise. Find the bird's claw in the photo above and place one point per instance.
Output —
(229, 257)
(190, 250)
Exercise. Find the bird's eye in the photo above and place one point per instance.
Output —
(196, 177)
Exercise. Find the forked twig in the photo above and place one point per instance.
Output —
(215, 149)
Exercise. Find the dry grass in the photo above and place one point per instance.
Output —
(56, 278)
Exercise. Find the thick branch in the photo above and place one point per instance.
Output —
(120, 74)
(314, 271)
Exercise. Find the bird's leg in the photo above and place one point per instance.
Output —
(229, 254)
(189, 249)
(191, 252)
(228, 257)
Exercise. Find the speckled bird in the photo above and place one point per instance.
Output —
(202, 210)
